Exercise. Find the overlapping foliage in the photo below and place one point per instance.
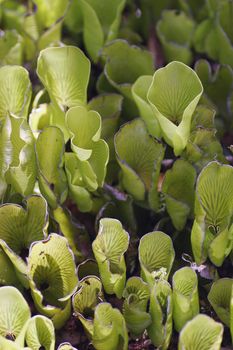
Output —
(116, 178)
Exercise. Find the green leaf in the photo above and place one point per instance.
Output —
(91, 151)
(64, 72)
(109, 247)
(122, 73)
(202, 332)
(178, 188)
(139, 91)
(213, 35)
(40, 333)
(22, 225)
(18, 163)
(139, 156)
(85, 300)
(161, 303)
(15, 93)
(175, 30)
(48, 11)
(174, 95)
(109, 331)
(68, 229)
(15, 264)
(100, 23)
(156, 256)
(136, 295)
(217, 86)
(53, 278)
(212, 231)
(11, 48)
(79, 176)
(220, 298)
(185, 296)
(15, 312)
(52, 178)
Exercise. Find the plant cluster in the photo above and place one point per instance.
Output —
(116, 177)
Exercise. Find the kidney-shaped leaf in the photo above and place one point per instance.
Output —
(64, 71)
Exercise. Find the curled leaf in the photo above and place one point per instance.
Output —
(109, 247)
(156, 256)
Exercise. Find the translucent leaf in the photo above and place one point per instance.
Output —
(85, 300)
(15, 312)
(211, 232)
(178, 188)
(40, 333)
(21, 226)
(48, 12)
(136, 294)
(64, 71)
(175, 31)
(156, 256)
(109, 330)
(220, 298)
(52, 178)
(15, 91)
(160, 310)
(139, 157)
(53, 277)
(122, 73)
(109, 247)
(139, 92)
(202, 332)
(185, 296)
(101, 20)
(173, 95)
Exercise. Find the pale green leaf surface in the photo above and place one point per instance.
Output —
(64, 72)
(185, 296)
(15, 312)
(15, 91)
(40, 333)
(174, 94)
(220, 298)
(22, 225)
(156, 256)
(202, 332)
